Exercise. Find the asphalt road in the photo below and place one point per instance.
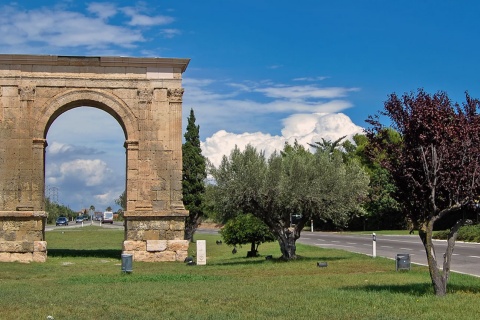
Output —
(465, 259)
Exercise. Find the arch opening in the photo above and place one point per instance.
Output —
(85, 161)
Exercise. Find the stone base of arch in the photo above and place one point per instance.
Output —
(156, 237)
(22, 235)
(151, 238)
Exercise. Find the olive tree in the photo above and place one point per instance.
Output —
(292, 182)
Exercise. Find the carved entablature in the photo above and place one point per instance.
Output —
(26, 93)
(144, 95)
(175, 95)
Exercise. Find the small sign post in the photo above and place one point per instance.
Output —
(374, 248)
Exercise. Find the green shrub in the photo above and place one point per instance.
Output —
(466, 233)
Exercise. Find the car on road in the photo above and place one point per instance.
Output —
(61, 221)
(79, 220)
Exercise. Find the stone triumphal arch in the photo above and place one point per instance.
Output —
(144, 95)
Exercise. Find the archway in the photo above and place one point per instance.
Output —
(144, 95)
(84, 166)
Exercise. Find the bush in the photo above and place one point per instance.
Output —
(246, 229)
(466, 233)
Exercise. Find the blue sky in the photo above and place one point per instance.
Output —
(261, 72)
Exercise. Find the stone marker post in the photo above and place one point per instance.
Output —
(201, 252)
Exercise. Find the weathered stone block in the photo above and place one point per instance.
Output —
(151, 235)
(39, 246)
(142, 256)
(178, 245)
(156, 245)
(177, 225)
(16, 246)
(26, 257)
(39, 257)
(164, 256)
(135, 235)
(170, 235)
(178, 235)
(8, 235)
(134, 245)
(160, 205)
(5, 257)
(181, 255)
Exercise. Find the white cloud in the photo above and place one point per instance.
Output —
(88, 172)
(102, 10)
(170, 33)
(305, 92)
(54, 28)
(105, 199)
(305, 128)
(138, 19)
(222, 142)
(320, 78)
(58, 148)
(241, 107)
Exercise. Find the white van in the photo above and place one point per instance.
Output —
(107, 217)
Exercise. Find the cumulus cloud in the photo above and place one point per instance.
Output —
(249, 112)
(222, 142)
(88, 172)
(304, 128)
(248, 106)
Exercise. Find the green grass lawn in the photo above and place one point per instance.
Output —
(82, 279)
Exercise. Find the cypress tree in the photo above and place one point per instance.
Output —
(194, 174)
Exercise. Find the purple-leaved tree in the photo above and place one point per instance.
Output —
(435, 165)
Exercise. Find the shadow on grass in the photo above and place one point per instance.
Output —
(97, 253)
(262, 259)
(416, 289)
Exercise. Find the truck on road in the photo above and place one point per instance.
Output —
(107, 217)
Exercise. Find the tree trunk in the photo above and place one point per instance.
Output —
(286, 239)
(439, 281)
(440, 277)
(191, 225)
(253, 251)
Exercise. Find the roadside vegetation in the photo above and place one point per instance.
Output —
(465, 233)
(56, 210)
(82, 279)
